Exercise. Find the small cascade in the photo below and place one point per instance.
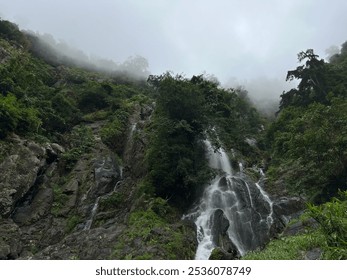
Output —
(269, 218)
(218, 159)
(121, 172)
(261, 172)
(133, 128)
(241, 167)
(249, 194)
(244, 204)
(116, 186)
(89, 222)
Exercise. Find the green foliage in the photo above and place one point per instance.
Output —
(72, 222)
(80, 141)
(151, 228)
(9, 114)
(330, 236)
(93, 99)
(111, 202)
(216, 254)
(10, 31)
(188, 111)
(288, 248)
(313, 85)
(15, 117)
(49, 100)
(309, 148)
(145, 187)
(113, 133)
(64, 108)
(309, 137)
(96, 116)
(59, 200)
(332, 218)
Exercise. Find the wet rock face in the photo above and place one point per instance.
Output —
(219, 234)
(106, 171)
(29, 213)
(220, 225)
(10, 244)
(44, 208)
(286, 208)
(19, 172)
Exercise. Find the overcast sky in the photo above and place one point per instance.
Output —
(239, 40)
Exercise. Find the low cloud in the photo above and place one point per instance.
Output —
(59, 52)
(264, 92)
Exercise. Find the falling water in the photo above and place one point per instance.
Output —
(269, 218)
(244, 203)
(89, 222)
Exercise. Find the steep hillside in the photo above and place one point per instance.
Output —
(72, 163)
(308, 146)
(102, 165)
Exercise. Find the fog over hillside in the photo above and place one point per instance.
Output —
(263, 92)
(59, 52)
(254, 41)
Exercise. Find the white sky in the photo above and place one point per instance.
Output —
(242, 39)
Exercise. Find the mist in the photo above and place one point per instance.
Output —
(255, 41)
(59, 52)
(263, 92)
(229, 38)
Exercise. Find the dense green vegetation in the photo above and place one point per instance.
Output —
(308, 147)
(332, 218)
(308, 140)
(330, 236)
(305, 146)
(46, 100)
(153, 225)
(187, 112)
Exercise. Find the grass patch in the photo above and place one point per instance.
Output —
(59, 200)
(81, 141)
(72, 222)
(111, 202)
(288, 248)
(151, 234)
(96, 116)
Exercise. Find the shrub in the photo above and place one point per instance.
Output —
(80, 140)
(332, 218)
(15, 117)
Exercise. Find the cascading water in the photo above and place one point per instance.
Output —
(244, 203)
(89, 222)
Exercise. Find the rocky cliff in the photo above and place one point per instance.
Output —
(48, 213)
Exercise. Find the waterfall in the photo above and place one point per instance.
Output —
(244, 203)
(89, 222)
(269, 218)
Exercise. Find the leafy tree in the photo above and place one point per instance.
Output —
(10, 31)
(15, 117)
(176, 156)
(309, 146)
(9, 114)
(312, 86)
(188, 111)
(308, 139)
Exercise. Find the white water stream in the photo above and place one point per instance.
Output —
(244, 203)
(89, 222)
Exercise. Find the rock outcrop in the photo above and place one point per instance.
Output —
(49, 212)
(22, 170)
(220, 237)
